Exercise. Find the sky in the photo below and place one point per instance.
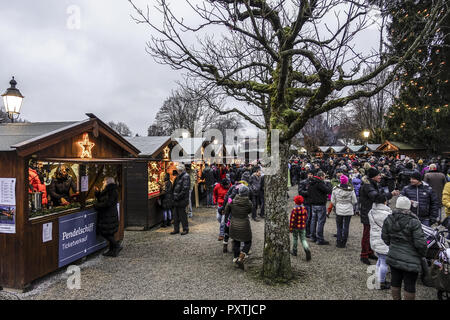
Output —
(71, 57)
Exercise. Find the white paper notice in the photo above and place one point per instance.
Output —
(8, 191)
(47, 232)
(84, 183)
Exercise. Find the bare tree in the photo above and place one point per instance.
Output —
(121, 128)
(369, 113)
(156, 130)
(186, 109)
(317, 132)
(287, 59)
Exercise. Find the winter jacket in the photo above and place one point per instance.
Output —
(167, 197)
(239, 209)
(181, 187)
(402, 232)
(446, 199)
(356, 181)
(303, 187)
(377, 215)
(318, 192)
(219, 194)
(106, 206)
(208, 175)
(298, 218)
(387, 180)
(369, 193)
(343, 199)
(428, 207)
(60, 188)
(436, 180)
(255, 184)
(35, 185)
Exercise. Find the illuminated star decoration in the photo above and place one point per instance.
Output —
(86, 146)
(166, 151)
(154, 166)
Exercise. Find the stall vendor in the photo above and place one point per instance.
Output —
(60, 187)
(36, 182)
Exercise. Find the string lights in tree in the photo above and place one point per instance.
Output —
(420, 114)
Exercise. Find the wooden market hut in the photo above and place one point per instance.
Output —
(399, 149)
(40, 232)
(144, 177)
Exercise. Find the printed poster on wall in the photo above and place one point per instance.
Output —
(8, 191)
(7, 205)
(47, 232)
(78, 237)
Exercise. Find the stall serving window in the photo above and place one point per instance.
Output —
(55, 187)
(156, 174)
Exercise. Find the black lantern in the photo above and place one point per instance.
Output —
(12, 99)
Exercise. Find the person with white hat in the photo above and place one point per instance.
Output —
(402, 232)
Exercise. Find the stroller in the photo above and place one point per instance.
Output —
(438, 258)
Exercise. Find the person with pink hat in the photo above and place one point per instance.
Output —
(343, 199)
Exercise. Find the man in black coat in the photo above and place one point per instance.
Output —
(303, 187)
(255, 188)
(181, 187)
(371, 193)
(318, 192)
(208, 176)
(425, 203)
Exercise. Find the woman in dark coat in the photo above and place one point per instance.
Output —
(167, 201)
(240, 230)
(402, 232)
(108, 220)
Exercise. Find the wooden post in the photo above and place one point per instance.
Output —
(196, 195)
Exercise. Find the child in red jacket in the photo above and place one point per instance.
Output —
(297, 225)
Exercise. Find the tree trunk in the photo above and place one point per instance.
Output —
(276, 256)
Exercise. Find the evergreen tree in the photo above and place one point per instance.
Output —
(420, 115)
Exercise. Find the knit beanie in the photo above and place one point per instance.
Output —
(344, 179)
(403, 203)
(243, 190)
(298, 200)
(372, 172)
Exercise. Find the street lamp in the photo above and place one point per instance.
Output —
(366, 134)
(12, 99)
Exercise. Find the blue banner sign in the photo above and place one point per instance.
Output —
(77, 236)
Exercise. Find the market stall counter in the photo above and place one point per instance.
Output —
(48, 177)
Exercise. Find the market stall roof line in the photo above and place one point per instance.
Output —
(32, 137)
(16, 133)
(149, 145)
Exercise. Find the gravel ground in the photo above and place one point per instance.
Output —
(156, 265)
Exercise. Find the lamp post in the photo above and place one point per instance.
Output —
(366, 134)
(12, 99)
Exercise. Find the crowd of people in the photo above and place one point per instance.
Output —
(392, 228)
(392, 198)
